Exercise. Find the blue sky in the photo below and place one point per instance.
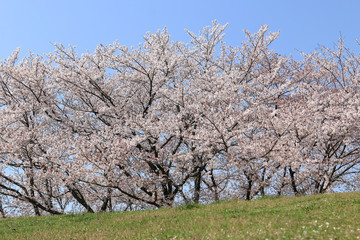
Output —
(33, 24)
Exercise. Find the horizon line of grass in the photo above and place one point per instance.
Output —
(322, 216)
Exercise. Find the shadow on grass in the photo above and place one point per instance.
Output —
(189, 206)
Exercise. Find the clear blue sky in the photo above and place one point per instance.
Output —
(33, 24)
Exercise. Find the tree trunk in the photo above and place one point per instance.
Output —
(293, 182)
(262, 187)
(80, 199)
(215, 186)
(197, 187)
(249, 187)
(3, 215)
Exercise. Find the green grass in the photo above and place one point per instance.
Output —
(335, 216)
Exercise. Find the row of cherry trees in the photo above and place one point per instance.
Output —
(169, 123)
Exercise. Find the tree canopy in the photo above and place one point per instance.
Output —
(171, 122)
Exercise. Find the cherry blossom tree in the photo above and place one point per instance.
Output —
(168, 123)
(28, 139)
(326, 116)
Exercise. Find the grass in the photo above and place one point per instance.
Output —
(329, 216)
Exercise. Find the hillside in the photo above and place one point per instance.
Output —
(335, 216)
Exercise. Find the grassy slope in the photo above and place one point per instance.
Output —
(335, 216)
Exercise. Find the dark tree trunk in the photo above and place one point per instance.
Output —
(215, 186)
(293, 182)
(3, 215)
(107, 202)
(248, 196)
(32, 194)
(262, 187)
(197, 187)
(80, 199)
